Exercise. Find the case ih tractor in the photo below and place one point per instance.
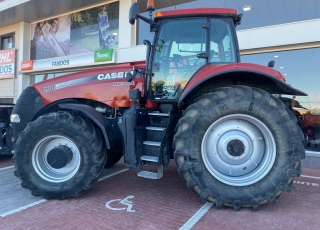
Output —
(235, 144)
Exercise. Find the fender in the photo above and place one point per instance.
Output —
(212, 76)
(97, 118)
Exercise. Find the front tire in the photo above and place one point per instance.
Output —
(59, 155)
(238, 146)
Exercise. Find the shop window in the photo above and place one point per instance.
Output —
(301, 70)
(262, 13)
(7, 41)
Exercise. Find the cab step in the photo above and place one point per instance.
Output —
(152, 143)
(150, 175)
(155, 128)
(149, 158)
(159, 114)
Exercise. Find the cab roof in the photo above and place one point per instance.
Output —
(227, 12)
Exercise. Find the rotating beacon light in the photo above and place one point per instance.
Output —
(150, 6)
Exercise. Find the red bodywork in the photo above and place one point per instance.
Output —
(86, 84)
(216, 69)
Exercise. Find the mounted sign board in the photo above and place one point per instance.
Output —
(103, 55)
(7, 63)
(27, 65)
(63, 62)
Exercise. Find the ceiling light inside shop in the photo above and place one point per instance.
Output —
(285, 74)
(281, 67)
(276, 56)
(115, 33)
(247, 8)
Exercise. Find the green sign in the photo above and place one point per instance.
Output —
(103, 55)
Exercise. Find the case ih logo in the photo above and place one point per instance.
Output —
(27, 65)
(7, 60)
(113, 75)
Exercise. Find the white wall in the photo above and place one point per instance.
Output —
(127, 32)
(24, 54)
(8, 87)
(282, 36)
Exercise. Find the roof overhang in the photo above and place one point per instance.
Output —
(15, 11)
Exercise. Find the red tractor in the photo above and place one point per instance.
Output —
(235, 144)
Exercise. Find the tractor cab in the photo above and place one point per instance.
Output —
(184, 42)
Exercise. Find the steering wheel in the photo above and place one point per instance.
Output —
(178, 61)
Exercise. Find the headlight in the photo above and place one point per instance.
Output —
(14, 118)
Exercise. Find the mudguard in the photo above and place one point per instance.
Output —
(97, 118)
(213, 76)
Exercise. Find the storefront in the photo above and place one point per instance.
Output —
(47, 32)
(61, 40)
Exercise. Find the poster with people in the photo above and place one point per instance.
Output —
(50, 38)
(80, 32)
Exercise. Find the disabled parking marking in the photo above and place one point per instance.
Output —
(44, 200)
(112, 174)
(9, 167)
(197, 216)
(306, 183)
(22, 208)
(313, 177)
(123, 201)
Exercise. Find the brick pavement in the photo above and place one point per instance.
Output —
(298, 210)
(5, 161)
(167, 204)
(158, 204)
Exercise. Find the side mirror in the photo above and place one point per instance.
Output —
(129, 77)
(132, 75)
(271, 64)
(133, 13)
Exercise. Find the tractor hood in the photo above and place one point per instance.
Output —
(106, 85)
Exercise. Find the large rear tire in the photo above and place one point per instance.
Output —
(238, 146)
(59, 155)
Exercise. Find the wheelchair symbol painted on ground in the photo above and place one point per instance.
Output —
(124, 201)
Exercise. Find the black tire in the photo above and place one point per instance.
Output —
(113, 156)
(223, 189)
(36, 162)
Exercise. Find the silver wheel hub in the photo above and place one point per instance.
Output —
(238, 149)
(56, 158)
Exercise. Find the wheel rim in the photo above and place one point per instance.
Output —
(43, 153)
(238, 149)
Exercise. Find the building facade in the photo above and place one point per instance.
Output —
(46, 39)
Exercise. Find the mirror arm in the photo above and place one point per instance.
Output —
(147, 20)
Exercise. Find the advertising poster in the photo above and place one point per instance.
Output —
(50, 38)
(80, 32)
(7, 60)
